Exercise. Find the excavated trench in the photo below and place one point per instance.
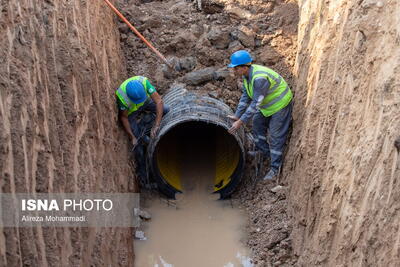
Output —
(192, 119)
(193, 154)
(338, 199)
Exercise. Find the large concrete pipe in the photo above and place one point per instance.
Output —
(192, 112)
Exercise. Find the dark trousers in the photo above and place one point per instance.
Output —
(271, 132)
(147, 113)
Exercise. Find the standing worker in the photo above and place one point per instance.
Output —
(268, 100)
(136, 95)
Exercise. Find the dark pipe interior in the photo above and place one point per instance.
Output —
(197, 141)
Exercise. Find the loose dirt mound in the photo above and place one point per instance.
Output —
(208, 37)
(269, 225)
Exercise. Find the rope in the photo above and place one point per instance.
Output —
(138, 34)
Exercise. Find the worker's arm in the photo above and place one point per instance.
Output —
(241, 108)
(260, 89)
(159, 112)
(125, 122)
(243, 103)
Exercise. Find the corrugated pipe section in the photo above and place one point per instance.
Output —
(190, 110)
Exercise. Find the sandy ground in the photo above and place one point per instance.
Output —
(60, 63)
(343, 166)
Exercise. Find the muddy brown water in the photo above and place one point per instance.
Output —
(200, 230)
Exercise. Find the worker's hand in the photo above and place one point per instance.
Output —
(154, 131)
(233, 117)
(235, 126)
(133, 141)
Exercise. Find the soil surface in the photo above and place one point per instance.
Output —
(60, 64)
(343, 165)
(205, 39)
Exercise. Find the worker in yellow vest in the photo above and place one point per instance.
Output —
(267, 99)
(135, 96)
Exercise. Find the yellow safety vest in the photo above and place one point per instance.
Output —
(278, 95)
(123, 96)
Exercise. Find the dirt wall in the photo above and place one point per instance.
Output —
(60, 61)
(343, 165)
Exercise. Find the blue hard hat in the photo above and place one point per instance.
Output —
(240, 57)
(136, 92)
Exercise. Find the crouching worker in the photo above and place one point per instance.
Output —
(138, 99)
(136, 96)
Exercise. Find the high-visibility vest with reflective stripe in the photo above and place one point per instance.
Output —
(123, 96)
(278, 95)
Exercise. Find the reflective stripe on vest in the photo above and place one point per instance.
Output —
(278, 95)
(123, 96)
(126, 101)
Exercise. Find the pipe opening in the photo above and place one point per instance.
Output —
(195, 124)
(197, 141)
